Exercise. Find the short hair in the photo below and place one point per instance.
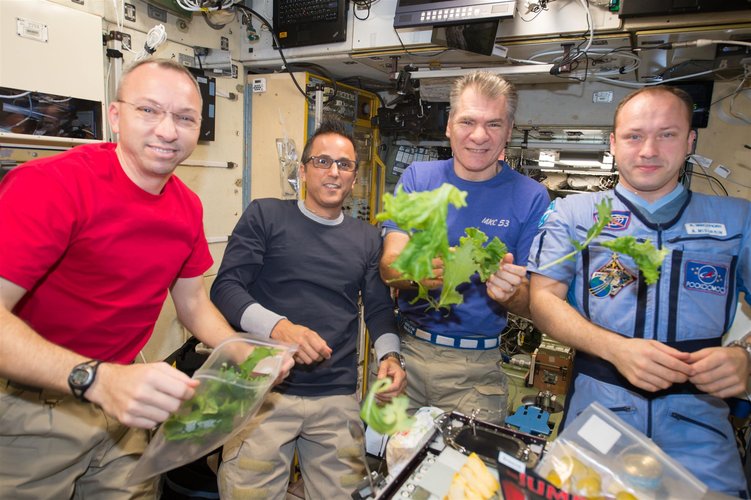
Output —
(162, 63)
(490, 85)
(329, 125)
(682, 95)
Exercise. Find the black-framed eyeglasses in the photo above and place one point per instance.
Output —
(324, 162)
(153, 114)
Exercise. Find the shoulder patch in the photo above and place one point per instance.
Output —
(544, 217)
(619, 220)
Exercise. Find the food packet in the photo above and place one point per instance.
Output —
(600, 456)
(234, 382)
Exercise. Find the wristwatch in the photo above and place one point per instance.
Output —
(82, 376)
(396, 356)
(743, 345)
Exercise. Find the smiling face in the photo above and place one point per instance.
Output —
(150, 151)
(479, 128)
(326, 189)
(650, 142)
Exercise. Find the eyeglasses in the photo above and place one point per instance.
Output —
(152, 114)
(324, 162)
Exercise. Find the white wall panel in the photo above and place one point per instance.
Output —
(68, 63)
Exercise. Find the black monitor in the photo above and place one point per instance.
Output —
(636, 8)
(475, 36)
(415, 13)
(701, 93)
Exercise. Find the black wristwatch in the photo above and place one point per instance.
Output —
(82, 376)
(396, 356)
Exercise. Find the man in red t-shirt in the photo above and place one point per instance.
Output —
(92, 240)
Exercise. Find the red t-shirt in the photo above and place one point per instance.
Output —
(96, 253)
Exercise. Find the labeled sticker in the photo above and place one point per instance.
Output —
(708, 228)
(599, 434)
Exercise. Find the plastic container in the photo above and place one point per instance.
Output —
(600, 456)
(234, 382)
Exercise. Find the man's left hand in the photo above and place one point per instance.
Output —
(720, 371)
(507, 280)
(391, 368)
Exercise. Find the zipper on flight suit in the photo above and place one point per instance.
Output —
(657, 291)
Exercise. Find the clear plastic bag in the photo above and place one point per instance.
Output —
(600, 456)
(234, 382)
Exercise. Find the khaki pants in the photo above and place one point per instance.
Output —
(455, 379)
(257, 462)
(53, 446)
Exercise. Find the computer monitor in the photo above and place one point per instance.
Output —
(475, 36)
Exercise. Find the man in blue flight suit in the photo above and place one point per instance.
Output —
(652, 353)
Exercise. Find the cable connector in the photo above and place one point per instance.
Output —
(702, 42)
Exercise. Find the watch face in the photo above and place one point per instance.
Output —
(81, 375)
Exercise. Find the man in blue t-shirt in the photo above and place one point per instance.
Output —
(453, 357)
(295, 271)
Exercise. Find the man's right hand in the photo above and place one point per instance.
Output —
(311, 348)
(649, 364)
(437, 280)
(140, 395)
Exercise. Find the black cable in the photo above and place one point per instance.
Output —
(735, 92)
(575, 53)
(278, 47)
(324, 72)
(363, 3)
(537, 13)
(211, 24)
(710, 179)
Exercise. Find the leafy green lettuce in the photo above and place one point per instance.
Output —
(645, 255)
(604, 214)
(218, 402)
(423, 215)
(647, 258)
(385, 419)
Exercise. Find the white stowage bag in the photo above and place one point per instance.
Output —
(403, 445)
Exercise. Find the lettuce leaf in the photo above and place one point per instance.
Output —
(218, 401)
(389, 418)
(604, 214)
(647, 258)
(423, 215)
(645, 255)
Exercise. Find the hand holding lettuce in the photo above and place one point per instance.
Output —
(387, 419)
(423, 215)
(214, 407)
(234, 382)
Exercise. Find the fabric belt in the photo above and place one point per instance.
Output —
(19, 386)
(28, 391)
(473, 342)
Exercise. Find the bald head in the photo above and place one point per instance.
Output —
(168, 64)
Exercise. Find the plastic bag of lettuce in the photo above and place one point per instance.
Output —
(234, 382)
